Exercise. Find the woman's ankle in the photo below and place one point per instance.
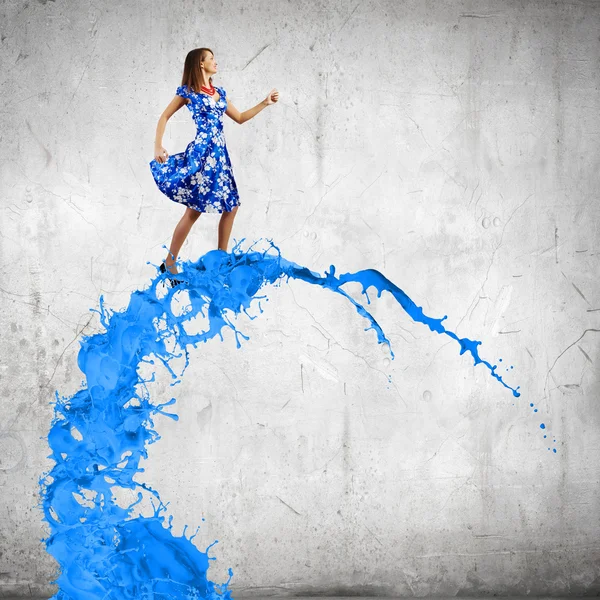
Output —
(170, 264)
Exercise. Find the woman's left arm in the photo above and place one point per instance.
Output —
(242, 117)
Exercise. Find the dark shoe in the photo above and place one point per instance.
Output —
(172, 280)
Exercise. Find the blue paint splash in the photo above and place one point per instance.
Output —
(99, 435)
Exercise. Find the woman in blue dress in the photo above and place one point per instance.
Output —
(201, 177)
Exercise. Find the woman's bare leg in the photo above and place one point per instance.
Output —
(225, 225)
(190, 216)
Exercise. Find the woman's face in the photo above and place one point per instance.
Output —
(210, 64)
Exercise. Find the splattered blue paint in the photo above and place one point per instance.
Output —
(99, 435)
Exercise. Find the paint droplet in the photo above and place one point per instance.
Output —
(554, 450)
(542, 426)
(531, 404)
(535, 410)
(427, 396)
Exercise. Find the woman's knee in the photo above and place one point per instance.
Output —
(229, 214)
(192, 214)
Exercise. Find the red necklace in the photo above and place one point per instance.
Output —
(210, 91)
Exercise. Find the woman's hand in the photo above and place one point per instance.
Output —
(160, 154)
(272, 97)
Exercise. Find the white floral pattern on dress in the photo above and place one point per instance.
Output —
(201, 177)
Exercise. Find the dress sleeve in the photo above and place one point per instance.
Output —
(181, 91)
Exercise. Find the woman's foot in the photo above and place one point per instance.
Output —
(172, 280)
(170, 267)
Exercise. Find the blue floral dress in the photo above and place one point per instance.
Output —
(201, 177)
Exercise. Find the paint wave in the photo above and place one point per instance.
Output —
(99, 435)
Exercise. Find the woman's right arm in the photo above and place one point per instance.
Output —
(160, 154)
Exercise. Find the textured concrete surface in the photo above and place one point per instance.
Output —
(451, 145)
(238, 597)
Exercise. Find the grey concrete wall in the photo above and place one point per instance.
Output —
(451, 145)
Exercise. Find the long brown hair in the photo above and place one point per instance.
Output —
(191, 68)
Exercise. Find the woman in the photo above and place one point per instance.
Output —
(201, 177)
